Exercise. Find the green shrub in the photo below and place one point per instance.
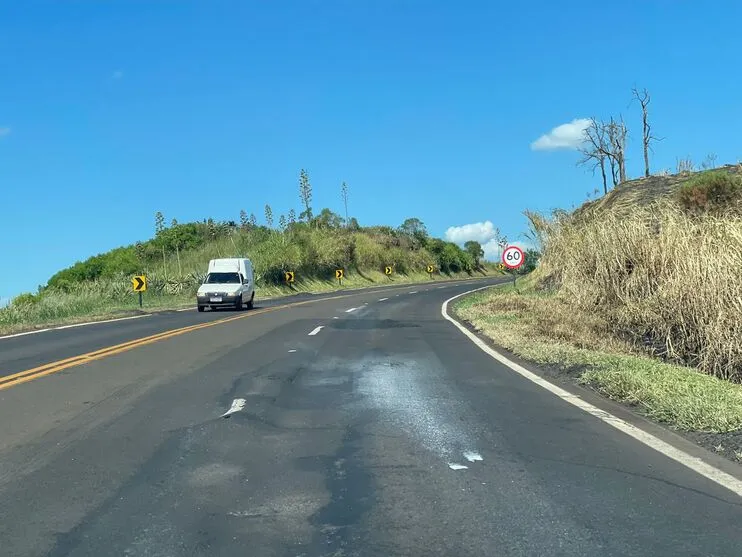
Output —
(714, 192)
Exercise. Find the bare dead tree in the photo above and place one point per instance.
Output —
(616, 132)
(594, 150)
(647, 137)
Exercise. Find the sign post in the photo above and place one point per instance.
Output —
(430, 270)
(339, 274)
(513, 257)
(139, 283)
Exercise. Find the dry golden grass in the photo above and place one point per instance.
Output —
(641, 302)
(657, 278)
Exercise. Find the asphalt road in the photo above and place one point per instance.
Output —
(349, 444)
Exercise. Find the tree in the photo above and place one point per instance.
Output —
(159, 222)
(531, 258)
(353, 224)
(617, 133)
(174, 223)
(268, 216)
(595, 149)
(253, 220)
(474, 249)
(606, 141)
(292, 216)
(413, 226)
(243, 218)
(305, 192)
(327, 219)
(647, 137)
(282, 222)
(344, 194)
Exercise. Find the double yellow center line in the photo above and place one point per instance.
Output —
(53, 367)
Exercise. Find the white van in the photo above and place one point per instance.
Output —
(230, 283)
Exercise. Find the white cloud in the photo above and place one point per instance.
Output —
(4, 131)
(118, 74)
(481, 232)
(566, 136)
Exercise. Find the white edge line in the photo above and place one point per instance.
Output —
(694, 463)
(74, 325)
(316, 330)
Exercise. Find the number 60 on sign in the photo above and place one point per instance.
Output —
(513, 257)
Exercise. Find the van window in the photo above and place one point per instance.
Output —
(223, 278)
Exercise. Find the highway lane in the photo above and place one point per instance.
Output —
(26, 351)
(351, 442)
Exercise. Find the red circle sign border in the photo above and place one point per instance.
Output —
(522, 257)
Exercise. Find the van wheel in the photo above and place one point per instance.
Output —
(201, 308)
(251, 304)
(238, 304)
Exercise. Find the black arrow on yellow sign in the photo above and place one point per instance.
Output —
(339, 273)
(139, 283)
(289, 276)
(431, 268)
(388, 270)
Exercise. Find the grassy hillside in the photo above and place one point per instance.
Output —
(175, 261)
(638, 294)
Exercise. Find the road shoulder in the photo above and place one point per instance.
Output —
(497, 325)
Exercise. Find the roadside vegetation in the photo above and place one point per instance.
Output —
(176, 258)
(638, 296)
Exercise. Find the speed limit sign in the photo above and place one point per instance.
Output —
(513, 257)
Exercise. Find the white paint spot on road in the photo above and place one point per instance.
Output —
(336, 317)
(349, 310)
(237, 405)
(383, 299)
(316, 330)
(472, 456)
(292, 350)
(454, 466)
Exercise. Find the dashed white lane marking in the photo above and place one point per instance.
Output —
(292, 350)
(185, 309)
(336, 317)
(316, 330)
(349, 310)
(472, 456)
(413, 292)
(441, 287)
(383, 299)
(237, 405)
(694, 463)
(454, 466)
(73, 326)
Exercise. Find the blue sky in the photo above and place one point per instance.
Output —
(110, 111)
